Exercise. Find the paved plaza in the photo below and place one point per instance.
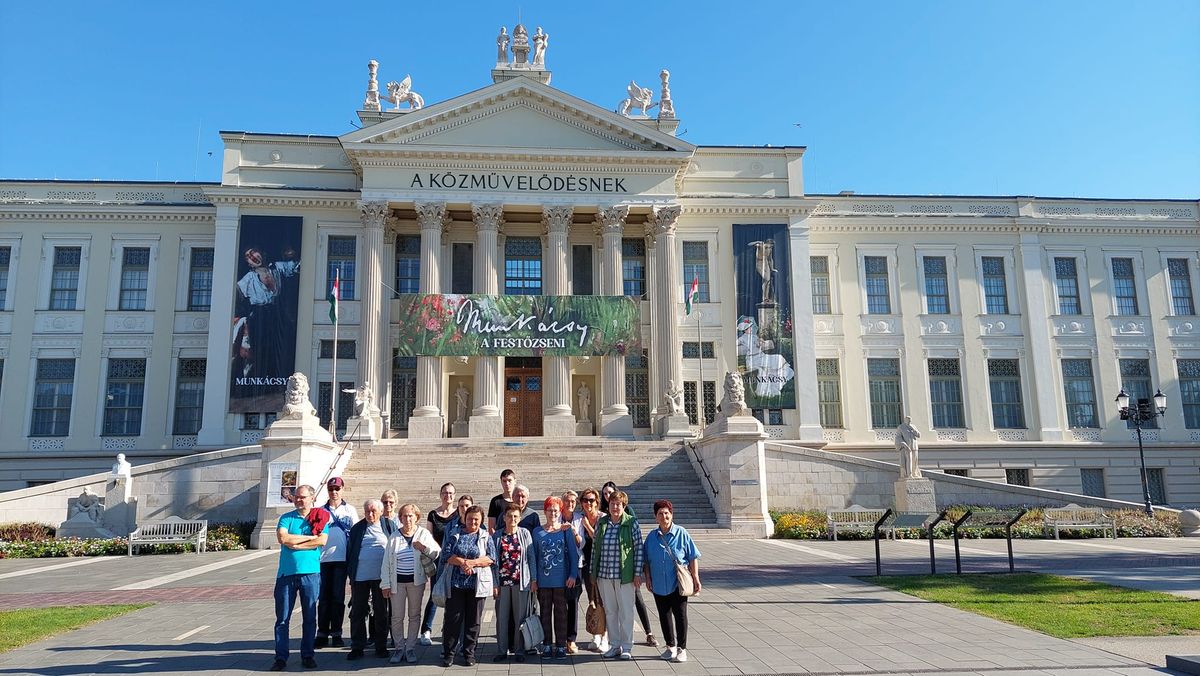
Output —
(767, 607)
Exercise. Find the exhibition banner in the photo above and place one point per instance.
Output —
(266, 298)
(446, 325)
(764, 315)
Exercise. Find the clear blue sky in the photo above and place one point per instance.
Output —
(1093, 99)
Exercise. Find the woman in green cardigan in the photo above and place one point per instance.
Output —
(617, 560)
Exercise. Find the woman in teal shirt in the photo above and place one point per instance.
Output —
(666, 545)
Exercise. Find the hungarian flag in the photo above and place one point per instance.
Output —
(335, 295)
(692, 293)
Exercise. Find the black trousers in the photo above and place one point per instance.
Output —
(360, 594)
(672, 614)
(552, 606)
(640, 605)
(331, 605)
(573, 595)
(463, 615)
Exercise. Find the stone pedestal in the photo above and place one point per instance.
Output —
(915, 495)
(739, 424)
(120, 507)
(616, 425)
(486, 426)
(677, 426)
(301, 440)
(583, 428)
(366, 428)
(82, 526)
(458, 430)
(736, 464)
(558, 426)
(426, 427)
(1189, 523)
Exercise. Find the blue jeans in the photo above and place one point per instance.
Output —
(286, 587)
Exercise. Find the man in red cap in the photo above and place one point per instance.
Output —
(331, 609)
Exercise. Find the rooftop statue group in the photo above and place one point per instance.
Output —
(520, 42)
(642, 98)
(397, 92)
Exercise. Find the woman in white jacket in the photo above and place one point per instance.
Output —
(410, 549)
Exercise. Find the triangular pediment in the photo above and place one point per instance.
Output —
(517, 115)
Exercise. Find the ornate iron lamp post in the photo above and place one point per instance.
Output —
(1141, 413)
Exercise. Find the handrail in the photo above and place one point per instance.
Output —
(336, 459)
(708, 477)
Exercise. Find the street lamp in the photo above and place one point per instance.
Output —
(1140, 413)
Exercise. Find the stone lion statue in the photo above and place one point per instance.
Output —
(734, 403)
(296, 403)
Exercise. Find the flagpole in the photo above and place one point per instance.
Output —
(333, 387)
(700, 354)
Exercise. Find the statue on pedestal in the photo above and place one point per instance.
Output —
(297, 406)
(122, 468)
(673, 398)
(666, 107)
(520, 46)
(639, 97)
(363, 400)
(502, 47)
(906, 445)
(585, 402)
(462, 402)
(88, 505)
(401, 92)
(734, 403)
(540, 40)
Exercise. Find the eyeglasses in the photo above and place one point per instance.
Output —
(589, 499)
(388, 502)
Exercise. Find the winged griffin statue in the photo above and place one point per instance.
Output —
(401, 92)
(640, 98)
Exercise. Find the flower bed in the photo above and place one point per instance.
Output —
(36, 541)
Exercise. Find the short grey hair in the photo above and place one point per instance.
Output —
(373, 501)
(521, 487)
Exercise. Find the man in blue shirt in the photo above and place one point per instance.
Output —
(301, 534)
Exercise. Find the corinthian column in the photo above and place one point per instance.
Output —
(615, 420)
(427, 421)
(557, 421)
(374, 214)
(485, 417)
(667, 347)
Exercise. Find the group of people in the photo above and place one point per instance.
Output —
(535, 566)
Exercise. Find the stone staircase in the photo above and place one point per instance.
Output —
(647, 470)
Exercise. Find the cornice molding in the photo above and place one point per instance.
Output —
(107, 213)
(821, 225)
(302, 200)
(392, 156)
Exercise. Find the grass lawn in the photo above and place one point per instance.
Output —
(1059, 606)
(26, 625)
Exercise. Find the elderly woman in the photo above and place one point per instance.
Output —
(390, 500)
(365, 547)
(437, 520)
(665, 546)
(512, 575)
(467, 556)
(639, 605)
(455, 523)
(557, 562)
(617, 561)
(404, 565)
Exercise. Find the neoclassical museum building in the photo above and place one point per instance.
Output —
(518, 262)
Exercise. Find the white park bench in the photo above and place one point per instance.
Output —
(172, 530)
(855, 518)
(1074, 516)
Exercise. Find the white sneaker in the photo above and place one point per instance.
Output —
(612, 652)
(681, 656)
(425, 639)
(625, 655)
(669, 653)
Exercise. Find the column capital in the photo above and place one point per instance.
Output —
(611, 220)
(373, 213)
(487, 216)
(664, 219)
(431, 215)
(557, 218)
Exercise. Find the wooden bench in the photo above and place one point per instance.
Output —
(1074, 516)
(172, 530)
(855, 518)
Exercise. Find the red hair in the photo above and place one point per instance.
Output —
(552, 501)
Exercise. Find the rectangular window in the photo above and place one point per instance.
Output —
(1135, 380)
(957, 472)
(710, 401)
(1080, 391)
(1189, 392)
(135, 278)
(1066, 280)
(1124, 286)
(200, 279)
(345, 404)
(346, 349)
(995, 286)
(945, 393)
(883, 384)
(523, 266)
(5, 255)
(829, 393)
(404, 390)
(1158, 485)
(1092, 480)
(637, 388)
(408, 264)
(1181, 287)
(937, 286)
(1004, 381)
(695, 266)
(462, 278)
(694, 350)
(633, 267)
(879, 298)
(52, 394)
(768, 416)
(581, 270)
(189, 396)
(1016, 477)
(123, 397)
(64, 279)
(342, 263)
(822, 301)
(689, 402)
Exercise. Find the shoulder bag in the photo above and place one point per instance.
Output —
(683, 578)
(531, 627)
(594, 618)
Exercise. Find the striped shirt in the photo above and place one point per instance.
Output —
(405, 565)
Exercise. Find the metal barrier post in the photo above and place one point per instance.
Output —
(932, 557)
(957, 557)
(878, 560)
(1008, 533)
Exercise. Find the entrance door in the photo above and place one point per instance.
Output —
(522, 402)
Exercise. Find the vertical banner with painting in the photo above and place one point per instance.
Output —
(764, 315)
(266, 299)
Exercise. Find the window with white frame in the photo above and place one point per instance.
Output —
(1182, 302)
(123, 397)
(1124, 287)
(1079, 389)
(822, 301)
(53, 390)
(523, 266)
(5, 255)
(341, 260)
(135, 278)
(408, 264)
(1066, 283)
(995, 285)
(937, 285)
(879, 297)
(695, 267)
(829, 393)
(64, 278)
(200, 280)
(1135, 380)
(883, 386)
(1156, 482)
(945, 394)
(633, 267)
(1004, 382)
(1189, 391)
(189, 396)
(1092, 480)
